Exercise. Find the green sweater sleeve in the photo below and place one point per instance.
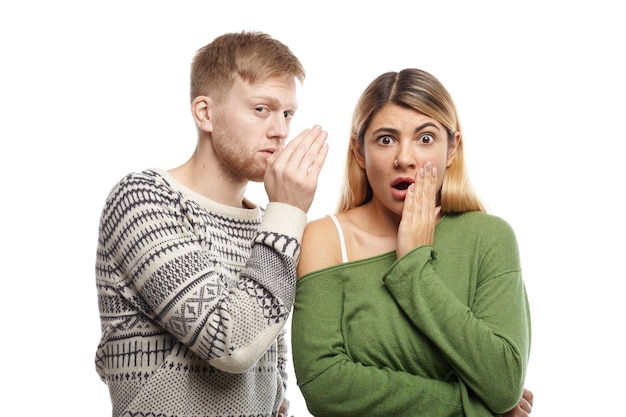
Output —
(334, 384)
(486, 336)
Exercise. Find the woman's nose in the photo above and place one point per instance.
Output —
(405, 160)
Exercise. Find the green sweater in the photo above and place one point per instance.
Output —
(443, 331)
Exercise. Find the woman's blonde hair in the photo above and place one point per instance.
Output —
(418, 90)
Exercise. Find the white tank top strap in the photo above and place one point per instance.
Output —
(342, 241)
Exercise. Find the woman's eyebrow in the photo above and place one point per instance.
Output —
(396, 131)
(425, 125)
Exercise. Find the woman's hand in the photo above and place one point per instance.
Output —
(284, 408)
(524, 407)
(419, 214)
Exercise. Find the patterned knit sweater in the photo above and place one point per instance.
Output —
(193, 297)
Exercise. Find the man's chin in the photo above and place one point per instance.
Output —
(257, 177)
(253, 172)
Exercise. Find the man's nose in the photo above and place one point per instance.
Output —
(279, 127)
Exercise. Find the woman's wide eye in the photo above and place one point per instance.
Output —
(385, 140)
(426, 138)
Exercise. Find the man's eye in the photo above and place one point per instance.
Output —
(288, 114)
(261, 109)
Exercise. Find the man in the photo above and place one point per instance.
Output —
(195, 282)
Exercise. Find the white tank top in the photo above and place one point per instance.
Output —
(342, 241)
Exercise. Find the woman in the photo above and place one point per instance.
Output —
(410, 300)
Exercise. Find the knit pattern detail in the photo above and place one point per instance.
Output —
(183, 282)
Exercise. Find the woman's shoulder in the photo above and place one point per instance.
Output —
(319, 230)
(321, 246)
(479, 219)
(482, 225)
(322, 222)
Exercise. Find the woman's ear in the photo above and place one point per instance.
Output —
(358, 152)
(201, 111)
(453, 147)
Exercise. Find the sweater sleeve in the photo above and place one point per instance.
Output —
(487, 342)
(334, 384)
(222, 285)
(259, 310)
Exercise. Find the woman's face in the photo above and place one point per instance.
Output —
(409, 139)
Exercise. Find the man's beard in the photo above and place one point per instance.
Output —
(238, 164)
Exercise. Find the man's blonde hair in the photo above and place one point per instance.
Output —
(251, 55)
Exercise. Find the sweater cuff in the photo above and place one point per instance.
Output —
(413, 260)
(284, 219)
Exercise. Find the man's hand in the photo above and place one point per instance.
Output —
(291, 174)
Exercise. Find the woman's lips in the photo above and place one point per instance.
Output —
(400, 186)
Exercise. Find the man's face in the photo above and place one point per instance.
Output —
(250, 123)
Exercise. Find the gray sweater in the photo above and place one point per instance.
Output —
(193, 297)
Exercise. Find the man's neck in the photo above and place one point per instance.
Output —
(208, 180)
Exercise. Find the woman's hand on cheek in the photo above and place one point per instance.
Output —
(419, 214)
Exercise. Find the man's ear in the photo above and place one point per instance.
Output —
(453, 146)
(201, 107)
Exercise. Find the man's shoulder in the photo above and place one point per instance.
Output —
(138, 180)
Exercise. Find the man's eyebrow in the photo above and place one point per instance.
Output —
(274, 102)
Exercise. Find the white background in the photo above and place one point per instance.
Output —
(90, 91)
